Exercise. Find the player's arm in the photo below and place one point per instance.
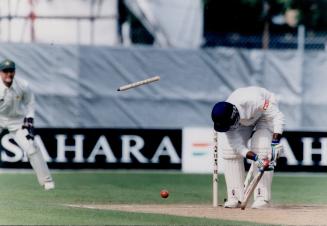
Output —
(29, 101)
(238, 145)
(277, 117)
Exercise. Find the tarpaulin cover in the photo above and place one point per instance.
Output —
(76, 86)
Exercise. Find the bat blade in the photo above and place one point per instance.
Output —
(249, 176)
(250, 189)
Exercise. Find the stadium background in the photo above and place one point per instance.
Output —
(77, 54)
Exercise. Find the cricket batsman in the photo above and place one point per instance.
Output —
(250, 125)
(17, 115)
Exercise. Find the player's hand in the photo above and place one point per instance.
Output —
(276, 150)
(276, 147)
(263, 164)
(271, 166)
(28, 124)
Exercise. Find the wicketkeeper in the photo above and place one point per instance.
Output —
(16, 115)
(250, 117)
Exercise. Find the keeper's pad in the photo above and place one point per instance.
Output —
(40, 167)
(35, 156)
(234, 176)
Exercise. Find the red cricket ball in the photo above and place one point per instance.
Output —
(164, 194)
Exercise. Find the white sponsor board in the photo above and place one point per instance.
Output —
(197, 150)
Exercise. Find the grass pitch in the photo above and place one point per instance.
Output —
(23, 202)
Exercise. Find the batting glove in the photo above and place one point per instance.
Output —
(263, 164)
(28, 124)
(276, 150)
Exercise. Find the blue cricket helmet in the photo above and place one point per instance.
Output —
(225, 116)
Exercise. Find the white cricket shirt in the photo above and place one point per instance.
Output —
(16, 103)
(255, 105)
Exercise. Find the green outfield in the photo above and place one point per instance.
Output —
(24, 202)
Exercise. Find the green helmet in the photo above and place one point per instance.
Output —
(7, 64)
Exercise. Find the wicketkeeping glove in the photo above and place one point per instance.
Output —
(28, 124)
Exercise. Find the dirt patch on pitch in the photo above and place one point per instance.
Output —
(277, 214)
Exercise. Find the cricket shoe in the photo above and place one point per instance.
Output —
(49, 185)
(233, 203)
(260, 204)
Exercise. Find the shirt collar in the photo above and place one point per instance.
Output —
(239, 109)
(3, 86)
(14, 84)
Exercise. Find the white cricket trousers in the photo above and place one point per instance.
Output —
(34, 155)
(258, 142)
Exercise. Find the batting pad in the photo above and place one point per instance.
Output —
(234, 176)
(263, 190)
(261, 143)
